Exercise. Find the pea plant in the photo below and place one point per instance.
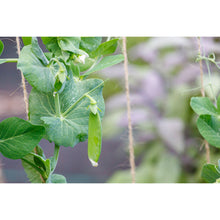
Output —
(208, 122)
(66, 105)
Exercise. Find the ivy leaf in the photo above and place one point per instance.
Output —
(1, 47)
(90, 44)
(39, 75)
(203, 106)
(26, 40)
(209, 128)
(71, 126)
(19, 137)
(105, 48)
(210, 173)
(106, 62)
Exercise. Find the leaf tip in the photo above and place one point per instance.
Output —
(94, 164)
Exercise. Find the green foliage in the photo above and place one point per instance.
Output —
(59, 102)
(26, 40)
(1, 47)
(105, 62)
(210, 173)
(70, 126)
(18, 137)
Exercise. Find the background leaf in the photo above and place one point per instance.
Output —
(210, 173)
(203, 106)
(18, 137)
(209, 128)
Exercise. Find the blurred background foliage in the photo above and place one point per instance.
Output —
(163, 75)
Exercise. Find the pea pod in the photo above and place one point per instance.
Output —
(94, 138)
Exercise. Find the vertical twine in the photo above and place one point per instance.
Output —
(203, 95)
(25, 93)
(23, 80)
(131, 148)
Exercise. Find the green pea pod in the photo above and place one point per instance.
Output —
(94, 138)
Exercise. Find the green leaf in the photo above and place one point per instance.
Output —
(210, 173)
(39, 75)
(1, 47)
(106, 62)
(95, 138)
(90, 44)
(18, 137)
(26, 40)
(70, 126)
(52, 45)
(203, 106)
(38, 52)
(36, 166)
(88, 63)
(105, 48)
(32, 171)
(209, 128)
(57, 178)
(75, 70)
(70, 44)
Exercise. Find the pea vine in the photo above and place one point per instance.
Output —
(65, 106)
(208, 122)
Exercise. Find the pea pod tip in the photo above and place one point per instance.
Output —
(94, 164)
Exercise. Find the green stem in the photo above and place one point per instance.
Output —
(72, 106)
(57, 104)
(9, 60)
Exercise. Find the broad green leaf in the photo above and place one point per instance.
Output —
(105, 48)
(1, 47)
(39, 75)
(70, 44)
(52, 45)
(19, 137)
(57, 178)
(94, 138)
(38, 52)
(209, 128)
(210, 173)
(70, 126)
(106, 62)
(203, 106)
(26, 40)
(36, 165)
(32, 171)
(90, 44)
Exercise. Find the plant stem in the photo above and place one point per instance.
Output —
(57, 104)
(10, 60)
